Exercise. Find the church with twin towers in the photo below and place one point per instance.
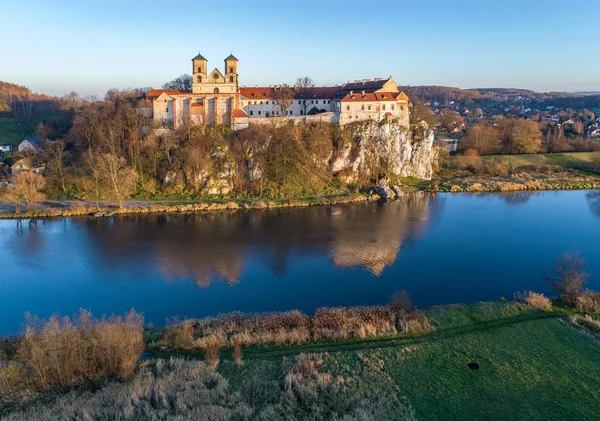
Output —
(218, 98)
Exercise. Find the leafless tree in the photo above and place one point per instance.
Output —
(55, 155)
(25, 190)
(568, 277)
(303, 89)
(284, 97)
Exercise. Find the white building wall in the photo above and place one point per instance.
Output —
(256, 108)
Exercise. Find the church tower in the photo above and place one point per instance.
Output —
(231, 70)
(199, 72)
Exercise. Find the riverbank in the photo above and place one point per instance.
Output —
(67, 208)
(487, 174)
(517, 173)
(484, 361)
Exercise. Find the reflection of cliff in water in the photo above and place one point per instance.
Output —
(216, 246)
(371, 237)
(593, 199)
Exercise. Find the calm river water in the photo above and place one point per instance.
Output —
(439, 248)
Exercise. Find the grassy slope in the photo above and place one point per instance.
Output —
(11, 132)
(574, 160)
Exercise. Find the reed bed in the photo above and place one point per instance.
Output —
(293, 327)
(62, 352)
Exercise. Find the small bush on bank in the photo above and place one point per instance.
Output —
(470, 161)
(588, 301)
(534, 299)
(62, 352)
(414, 322)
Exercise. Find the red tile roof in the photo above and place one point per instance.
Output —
(239, 113)
(257, 93)
(369, 97)
(155, 93)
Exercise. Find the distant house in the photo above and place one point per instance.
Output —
(593, 132)
(30, 143)
(23, 165)
(5, 148)
(20, 165)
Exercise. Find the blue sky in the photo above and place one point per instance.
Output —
(91, 46)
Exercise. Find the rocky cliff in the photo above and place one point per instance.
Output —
(388, 146)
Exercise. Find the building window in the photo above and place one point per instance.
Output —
(301, 112)
(383, 107)
(167, 110)
(231, 70)
(216, 90)
(329, 101)
(369, 108)
(199, 69)
(347, 108)
(267, 114)
(251, 112)
(362, 107)
(230, 79)
(259, 113)
(312, 102)
(401, 107)
(356, 117)
(273, 102)
(260, 102)
(392, 106)
(254, 102)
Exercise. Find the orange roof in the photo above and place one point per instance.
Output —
(257, 93)
(239, 113)
(155, 93)
(370, 97)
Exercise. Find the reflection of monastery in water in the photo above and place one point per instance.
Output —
(360, 242)
(216, 246)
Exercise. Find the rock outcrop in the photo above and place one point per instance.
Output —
(395, 148)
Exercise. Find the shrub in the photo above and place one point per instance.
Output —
(534, 299)
(587, 322)
(470, 160)
(568, 277)
(61, 352)
(588, 301)
(498, 168)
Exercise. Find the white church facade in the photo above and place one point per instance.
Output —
(217, 98)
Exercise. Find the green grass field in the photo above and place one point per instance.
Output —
(12, 132)
(583, 161)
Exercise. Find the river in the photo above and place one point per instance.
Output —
(439, 248)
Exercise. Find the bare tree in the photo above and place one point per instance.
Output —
(55, 155)
(303, 88)
(568, 277)
(182, 83)
(284, 97)
(118, 177)
(25, 190)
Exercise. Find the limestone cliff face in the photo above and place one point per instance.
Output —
(390, 146)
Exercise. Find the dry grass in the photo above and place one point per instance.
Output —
(184, 390)
(534, 299)
(237, 329)
(354, 322)
(588, 301)
(414, 322)
(62, 352)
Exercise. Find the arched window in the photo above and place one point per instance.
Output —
(230, 79)
(216, 90)
(231, 70)
(199, 78)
